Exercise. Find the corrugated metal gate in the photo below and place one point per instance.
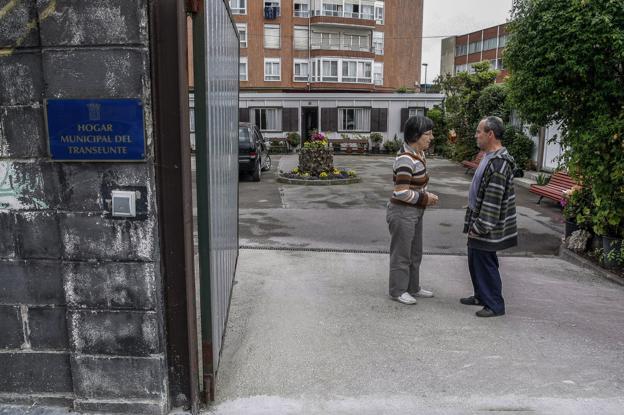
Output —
(216, 56)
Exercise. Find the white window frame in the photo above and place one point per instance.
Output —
(355, 113)
(304, 4)
(378, 71)
(379, 12)
(301, 78)
(273, 3)
(238, 9)
(243, 60)
(273, 27)
(306, 37)
(413, 111)
(242, 28)
(378, 43)
(273, 77)
(275, 115)
(357, 75)
(330, 77)
(367, 5)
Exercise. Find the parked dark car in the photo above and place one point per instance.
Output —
(253, 151)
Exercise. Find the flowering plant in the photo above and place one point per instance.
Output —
(317, 140)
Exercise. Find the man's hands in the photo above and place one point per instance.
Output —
(432, 199)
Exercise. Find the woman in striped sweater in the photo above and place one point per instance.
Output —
(405, 211)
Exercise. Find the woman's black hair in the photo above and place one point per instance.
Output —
(415, 127)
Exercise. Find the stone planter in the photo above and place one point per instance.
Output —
(595, 243)
(316, 160)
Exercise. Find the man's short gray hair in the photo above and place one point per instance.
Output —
(494, 124)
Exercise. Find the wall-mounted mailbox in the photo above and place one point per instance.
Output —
(123, 203)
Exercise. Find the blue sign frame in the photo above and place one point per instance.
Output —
(95, 129)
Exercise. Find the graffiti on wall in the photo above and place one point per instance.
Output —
(18, 190)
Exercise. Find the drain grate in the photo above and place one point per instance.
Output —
(298, 249)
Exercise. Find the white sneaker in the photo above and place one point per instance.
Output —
(423, 293)
(405, 298)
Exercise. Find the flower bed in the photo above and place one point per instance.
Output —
(332, 177)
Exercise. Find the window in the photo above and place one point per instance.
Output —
(300, 70)
(355, 42)
(242, 69)
(267, 119)
(329, 70)
(356, 71)
(349, 71)
(461, 68)
(274, 6)
(416, 111)
(474, 47)
(272, 69)
(242, 32)
(332, 8)
(502, 41)
(352, 10)
(378, 73)
(354, 119)
(364, 73)
(330, 40)
(238, 6)
(271, 36)
(368, 10)
(301, 8)
(461, 50)
(301, 37)
(500, 65)
(489, 43)
(378, 43)
(493, 63)
(379, 12)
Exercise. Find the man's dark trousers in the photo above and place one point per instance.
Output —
(486, 279)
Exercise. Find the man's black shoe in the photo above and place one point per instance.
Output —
(470, 301)
(486, 312)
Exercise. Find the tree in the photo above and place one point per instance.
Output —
(461, 104)
(566, 60)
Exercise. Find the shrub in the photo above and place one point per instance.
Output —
(376, 139)
(293, 139)
(519, 146)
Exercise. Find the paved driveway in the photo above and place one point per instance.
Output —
(352, 217)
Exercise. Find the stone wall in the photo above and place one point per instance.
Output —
(81, 321)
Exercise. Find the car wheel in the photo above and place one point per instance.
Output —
(267, 163)
(256, 173)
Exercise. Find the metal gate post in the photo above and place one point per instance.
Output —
(174, 184)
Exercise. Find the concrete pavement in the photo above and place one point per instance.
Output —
(315, 333)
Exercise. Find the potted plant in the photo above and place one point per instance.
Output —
(293, 139)
(577, 209)
(376, 139)
(608, 221)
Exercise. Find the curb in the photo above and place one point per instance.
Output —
(332, 182)
(570, 256)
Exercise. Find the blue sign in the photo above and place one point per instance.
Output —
(95, 129)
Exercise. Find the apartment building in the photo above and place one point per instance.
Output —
(330, 65)
(329, 45)
(460, 52)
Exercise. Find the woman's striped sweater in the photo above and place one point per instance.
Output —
(492, 225)
(410, 178)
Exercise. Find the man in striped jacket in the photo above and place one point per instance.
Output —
(490, 218)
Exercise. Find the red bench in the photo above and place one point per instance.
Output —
(559, 183)
(474, 163)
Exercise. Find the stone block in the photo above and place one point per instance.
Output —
(135, 408)
(89, 236)
(110, 285)
(38, 235)
(19, 28)
(31, 282)
(11, 332)
(85, 187)
(22, 132)
(29, 186)
(7, 236)
(120, 333)
(105, 22)
(48, 328)
(118, 377)
(21, 78)
(86, 73)
(35, 373)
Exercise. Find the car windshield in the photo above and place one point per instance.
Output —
(243, 135)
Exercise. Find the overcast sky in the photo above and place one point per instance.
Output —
(456, 17)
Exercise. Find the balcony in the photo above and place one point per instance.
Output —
(342, 18)
(271, 12)
(337, 49)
